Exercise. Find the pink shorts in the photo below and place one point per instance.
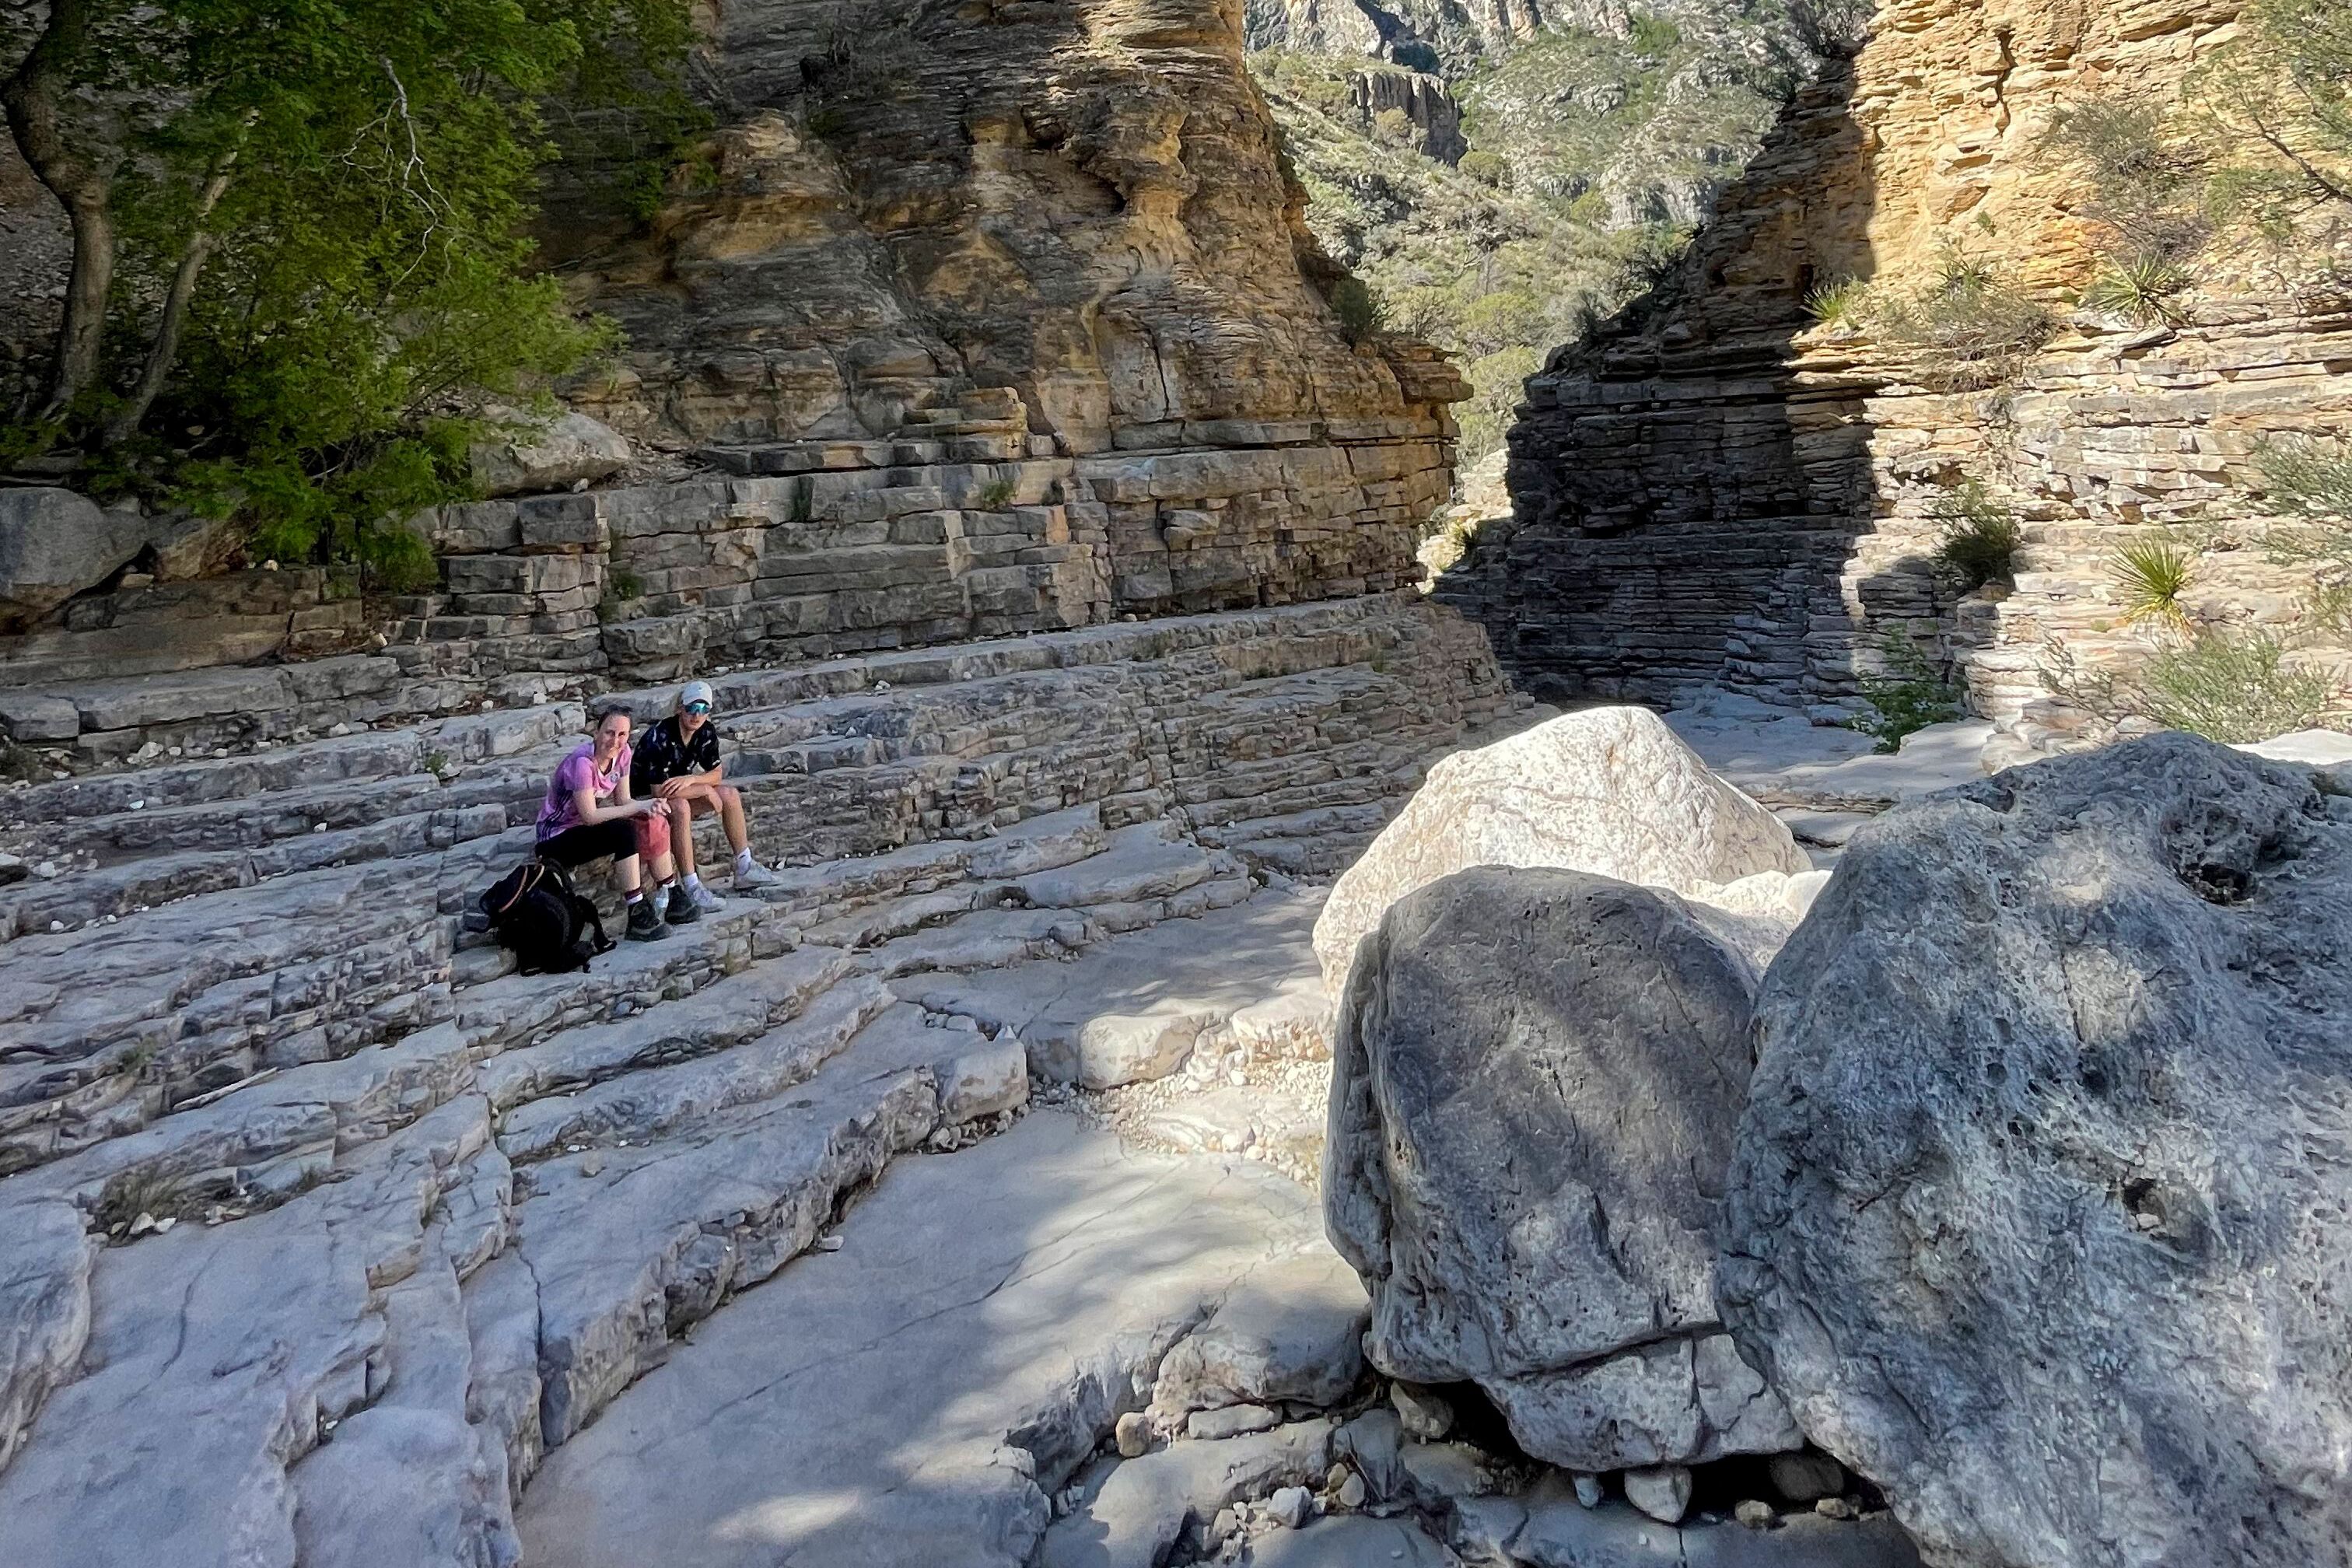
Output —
(653, 837)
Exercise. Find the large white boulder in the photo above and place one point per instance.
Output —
(1607, 790)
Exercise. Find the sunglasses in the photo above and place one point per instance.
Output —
(698, 706)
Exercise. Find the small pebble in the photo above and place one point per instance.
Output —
(1754, 1514)
(1589, 1490)
(828, 1244)
(1836, 1508)
(1132, 1433)
(1291, 1506)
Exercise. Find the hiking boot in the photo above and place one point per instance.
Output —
(681, 911)
(753, 876)
(644, 925)
(704, 899)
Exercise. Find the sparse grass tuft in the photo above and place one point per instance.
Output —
(134, 1192)
(996, 495)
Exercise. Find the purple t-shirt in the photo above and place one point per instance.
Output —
(578, 771)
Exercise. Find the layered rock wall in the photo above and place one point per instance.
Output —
(961, 326)
(1716, 488)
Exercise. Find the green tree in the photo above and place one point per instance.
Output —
(300, 270)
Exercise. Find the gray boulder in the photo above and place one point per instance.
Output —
(53, 545)
(1538, 1076)
(550, 455)
(2038, 1212)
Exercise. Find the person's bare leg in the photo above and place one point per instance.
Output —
(624, 866)
(730, 813)
(681, 832)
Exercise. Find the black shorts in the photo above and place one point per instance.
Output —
(616, 836)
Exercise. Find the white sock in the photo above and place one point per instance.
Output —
(742, 859)
(693, 882)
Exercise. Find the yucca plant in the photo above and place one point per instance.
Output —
(1838, 305)
(2152, 574)
(2141, 290)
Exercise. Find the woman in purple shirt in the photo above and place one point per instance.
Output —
(588, 815)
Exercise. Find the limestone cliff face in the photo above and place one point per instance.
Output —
(1084, 202)
(1713, 488)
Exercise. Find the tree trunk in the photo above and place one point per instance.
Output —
(82, 178)
(165, 346)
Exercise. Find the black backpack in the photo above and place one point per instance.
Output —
(539, 918)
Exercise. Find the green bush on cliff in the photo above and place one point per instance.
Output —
(1977, 536)
(301, 271)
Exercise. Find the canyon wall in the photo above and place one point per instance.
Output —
(960, 324)
(1715, 488)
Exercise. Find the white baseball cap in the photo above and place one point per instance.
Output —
(695, 691)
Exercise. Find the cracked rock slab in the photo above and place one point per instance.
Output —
(912, 1399)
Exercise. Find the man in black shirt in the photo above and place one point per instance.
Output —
(677, 763)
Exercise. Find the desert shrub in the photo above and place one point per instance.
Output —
(996, 495)
(1393, 126)
(2234, 686)
(1911, 695)
(1487, 168)
(2152, 574)
(2312, 481)
(1654, 35)
(1979, 325)
(2146, 182)
(2306, 478)
(1840, 304)
(1498, 385)
(2274, 111)
(1978, 536)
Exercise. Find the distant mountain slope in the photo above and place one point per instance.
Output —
(1499, 175)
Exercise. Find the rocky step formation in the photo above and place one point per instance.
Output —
(191, 922)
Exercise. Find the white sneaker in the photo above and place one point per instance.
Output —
(758, 876)
(704, 899)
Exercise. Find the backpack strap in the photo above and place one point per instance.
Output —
(526, 876)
